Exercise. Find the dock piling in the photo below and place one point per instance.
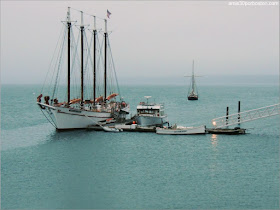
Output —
(238, 113)
(227, 116)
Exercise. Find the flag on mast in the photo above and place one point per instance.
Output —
(108, 14)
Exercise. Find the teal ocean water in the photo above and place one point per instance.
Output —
(45, 169)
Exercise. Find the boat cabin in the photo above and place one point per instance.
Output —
(150, 110)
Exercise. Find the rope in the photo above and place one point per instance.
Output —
(48, 119)
(100, 60)
(60, 66)
(56, 64)
(87, 75)
(114, 68)
(61, 32)
(91, 61)
(58, 69)
(74, 54)
(91, 65)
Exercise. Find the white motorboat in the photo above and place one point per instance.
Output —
(150, 114)
(111, 129)
(180, 130)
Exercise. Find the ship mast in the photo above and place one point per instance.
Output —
(82, 59)
(94, 60)
(105, 61)
(193, 77)
(68, 59)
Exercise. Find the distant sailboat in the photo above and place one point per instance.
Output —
(193, 93)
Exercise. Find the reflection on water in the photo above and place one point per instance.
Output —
(214, 140)
(213, 163)
(56, 135)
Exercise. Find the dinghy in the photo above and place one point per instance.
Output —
(180, 130)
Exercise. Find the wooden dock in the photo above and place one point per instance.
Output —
(152, 129)
(123, 127)
(228, 131)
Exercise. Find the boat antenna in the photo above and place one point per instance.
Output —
(147, 97)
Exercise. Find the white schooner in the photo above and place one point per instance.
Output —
(86, 96)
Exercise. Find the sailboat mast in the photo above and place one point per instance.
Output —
(105, 61)
(193, 77)
(94, 60)
(82, 58)
(68, 59)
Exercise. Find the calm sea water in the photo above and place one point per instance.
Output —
(45, 169)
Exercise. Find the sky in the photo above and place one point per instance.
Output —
(150, 39)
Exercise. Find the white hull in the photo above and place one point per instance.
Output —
(151, 120)
(108, 129)
(69, 118)
(182, 131)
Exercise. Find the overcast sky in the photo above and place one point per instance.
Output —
(149, 39)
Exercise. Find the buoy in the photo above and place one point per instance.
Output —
(133, 122)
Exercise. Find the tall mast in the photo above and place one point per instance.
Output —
(68, 59)
(82, 58)
(193, 76)
(105, 61)
(94, 60)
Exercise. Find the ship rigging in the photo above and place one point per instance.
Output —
(82, 90)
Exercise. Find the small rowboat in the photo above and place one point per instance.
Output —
(180, 130)
(110, 129)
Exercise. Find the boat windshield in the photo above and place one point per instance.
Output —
(147, 111)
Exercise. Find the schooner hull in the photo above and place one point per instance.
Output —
(69, 118)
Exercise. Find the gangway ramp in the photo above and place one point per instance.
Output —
(246, 116)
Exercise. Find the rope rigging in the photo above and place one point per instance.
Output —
(100, 61)
(86, 71)
(48, 119)
(75, 65)
(114, 69)
(57, 43)
(78, 76)
(58, 66)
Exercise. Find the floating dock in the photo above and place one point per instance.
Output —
(152, 129)
(220, 124)
(124, 127)
(228, 131)
(136, 128)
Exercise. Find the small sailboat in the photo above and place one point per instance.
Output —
(193, 93)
